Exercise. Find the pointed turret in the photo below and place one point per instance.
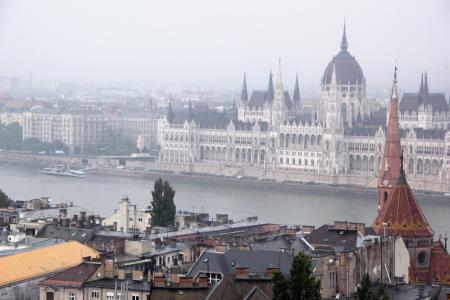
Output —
(425, 84)
(244, 94)
(344, 43)
(421, 85)
(190, 116)
(270, 89)
(296, 96)
(170, 114)
(390, 165)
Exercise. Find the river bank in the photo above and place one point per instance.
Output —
(107, 166)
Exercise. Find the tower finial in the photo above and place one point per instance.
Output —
(244, 94)
(270, 89)
(425, 84)
(394, 85)
(296, 96)
(421, 84)
(344, 43)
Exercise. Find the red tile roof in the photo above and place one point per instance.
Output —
(402, 214)
(440, 264)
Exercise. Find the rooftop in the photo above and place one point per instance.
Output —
(42, 261)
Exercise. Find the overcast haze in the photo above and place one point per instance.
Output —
(214, 42)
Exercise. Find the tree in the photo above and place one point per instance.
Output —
(365, 288)
(163, 207)
(367, 291)
(301, 285)
(280, 287)
(4, 199)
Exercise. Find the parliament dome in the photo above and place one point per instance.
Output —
(348, 69)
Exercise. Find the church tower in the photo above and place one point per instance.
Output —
(390, 165)
(399, 213)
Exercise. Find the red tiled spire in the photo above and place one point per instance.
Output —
(390, 165)
(401, 214)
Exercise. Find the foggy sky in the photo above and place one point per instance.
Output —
(214, 42)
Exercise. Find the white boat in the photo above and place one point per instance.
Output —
(62, 170)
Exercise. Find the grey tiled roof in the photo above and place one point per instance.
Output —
(66, 233)
(256, 260)
(411, 101)
(239, 125)
(328, 236)
(260, 97)
(111, 283)
(428, 134)
(360, 131)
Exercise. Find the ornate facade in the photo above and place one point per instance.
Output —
(343, 134)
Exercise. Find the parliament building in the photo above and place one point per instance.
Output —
(343, 134)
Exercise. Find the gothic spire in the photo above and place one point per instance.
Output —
(170, 114)
(244, 94)
(235, 112)
(344, 43)
(190, 117)
(270, 89)
(421, 85)
(425, 83)
(296, 96)
(391, 164)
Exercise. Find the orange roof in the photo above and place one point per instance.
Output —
(402, 213)
(440, 263)
(42, 261)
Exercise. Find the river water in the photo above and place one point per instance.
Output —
(271, 203)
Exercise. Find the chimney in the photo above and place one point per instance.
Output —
(185, 281)
(62, 213)
(109, 268)
(242, 272)
(361, 228)
(137, 275)
(202, 281)
(121, 274)
(83, 216)
(159, 281)
(245, 247)
(221, 248)
(307, 229)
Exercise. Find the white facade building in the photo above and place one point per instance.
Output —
(129, 218)
(74, 130)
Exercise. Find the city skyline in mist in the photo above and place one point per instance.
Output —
(208, 43)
